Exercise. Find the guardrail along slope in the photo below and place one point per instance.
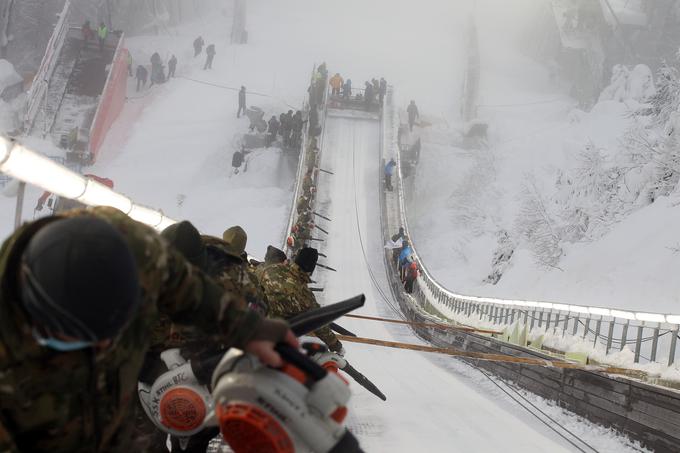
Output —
(645, 412)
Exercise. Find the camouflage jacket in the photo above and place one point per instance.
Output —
(286, 288)
(83, 401)
(241, 274)
(302, 204)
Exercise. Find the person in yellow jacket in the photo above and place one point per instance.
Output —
(336, 83)
(102, 34)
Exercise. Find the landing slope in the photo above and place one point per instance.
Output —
(428, 408)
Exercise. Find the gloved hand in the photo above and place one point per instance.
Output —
(341, 352)
(267, 334)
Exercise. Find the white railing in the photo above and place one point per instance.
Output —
(40, 85)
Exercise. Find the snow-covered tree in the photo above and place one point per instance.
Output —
(667, 97)
(538, 225)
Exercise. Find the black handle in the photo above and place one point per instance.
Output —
(341, 330)
(301, 361)
(347, 444)
(312, 320)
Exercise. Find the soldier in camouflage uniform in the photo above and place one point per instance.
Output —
(307, 184)
(68, 373)
(235, 266)
(302, 204)
(224, 261)
(288, 294)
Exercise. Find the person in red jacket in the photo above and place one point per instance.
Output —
(411, 276)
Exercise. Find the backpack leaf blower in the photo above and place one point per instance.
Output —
(179, 403)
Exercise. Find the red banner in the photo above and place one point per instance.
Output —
(111, 101)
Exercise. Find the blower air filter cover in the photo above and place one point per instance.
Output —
(182, 409)
(248, 428)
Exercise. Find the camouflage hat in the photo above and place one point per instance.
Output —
(274, 255)
(187, 240)
(236, 239)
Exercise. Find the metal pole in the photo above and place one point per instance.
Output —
(638, 344)
(20, 205)
(674, 343)
(655, 342)
(610, 337)
(598, 327)
(624, 335)
(575, 331)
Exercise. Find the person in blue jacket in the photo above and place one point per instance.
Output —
(404, 258)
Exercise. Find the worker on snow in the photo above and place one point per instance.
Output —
(241, 102)
(368, 95)
(285, 286)
(142, 75)
(87, 31)
(336, 84)
(389, 171)
(272, 130)
(129, 62)
(198, 46)
(382, 90)
(397, 240)
(411, 276)
(404, 257)
(210, 52)
(172, 66)
(102, 34)
(237, 161)
(157, 74)
(412, 111)
(296, 134)
(347, 89)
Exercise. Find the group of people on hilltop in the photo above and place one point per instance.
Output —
(88, 34)
(288, 126)
(157, 75)
(209, 52)
(375, 90)
(157, 70)
(373, 94)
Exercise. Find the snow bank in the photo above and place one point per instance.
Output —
(8, 75)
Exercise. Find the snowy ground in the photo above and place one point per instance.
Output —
(466, 197)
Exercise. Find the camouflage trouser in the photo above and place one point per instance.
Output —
(148, 438)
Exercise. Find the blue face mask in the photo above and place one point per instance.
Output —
(60, 345)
